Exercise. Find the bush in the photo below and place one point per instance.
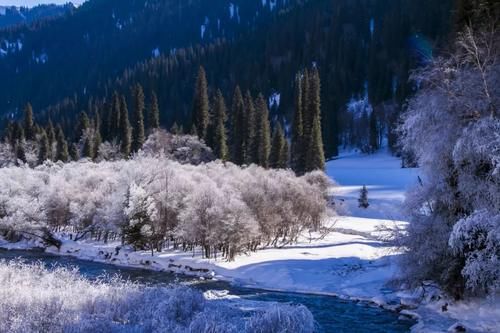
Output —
(34, 299)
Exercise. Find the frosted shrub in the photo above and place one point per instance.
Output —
(181, 148)
(155, 203)
(282, 319)
(477, 238)
(34, 299)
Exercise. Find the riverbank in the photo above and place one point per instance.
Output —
(351, 265)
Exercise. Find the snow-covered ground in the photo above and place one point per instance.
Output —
(353, 261)
(384, 178)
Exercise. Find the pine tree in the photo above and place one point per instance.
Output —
(62, 146)
(9, 133)
(114, 121)
(220, 137)
(363, 198)
(138, 121)
(20, 153)
(194, 130)
(175, 129)
(263, 134)
(29, 126)
(107, 108)
(88, 147)
(154, 113)
(298, 145)
(250, 128)
(238, 128)
(97, 122)
(97, 144)
(373, 132)
(285, 155)
(201, 115)
(74, 153)
(83, 125)
(51, 133)
(125, 137)
(306, 117)
(51, 136)
(278, 158)
(43, 148)
(315, 153)
(17, 135)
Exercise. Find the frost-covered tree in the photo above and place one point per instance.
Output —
(455, 205)
(156, 203)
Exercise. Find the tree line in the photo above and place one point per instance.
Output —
(245, 137)
(242, 133)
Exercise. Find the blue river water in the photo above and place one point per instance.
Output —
(331, 313)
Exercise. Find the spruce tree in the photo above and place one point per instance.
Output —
(29, 125)
(278, 158)
(250, 129)
(83, 125)
(88, 148)
(18, 134)
(51, 136)
(154, 113)
(194, 130)
(238, 128)
(43, 148)
(373, 132)
(20, 153)
(138, 120)
(124, 130)
(51, 133)
(220, 137)
(263, 134)
(97, 144)
(97, 122)
(175, 129)
(9, 133)
(298, 150)
(363, 198)
(306, 117)
(315, 153)
(74, 153)
(313, 105)
(107, 108)
(114, 121)
(285, 155)
(201, 115)
(62, 146)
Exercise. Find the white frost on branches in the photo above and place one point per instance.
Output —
(452, 126)
(154, 201)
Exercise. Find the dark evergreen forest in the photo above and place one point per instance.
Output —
(363, 50)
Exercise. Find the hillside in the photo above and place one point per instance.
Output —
(11, 16)
(361, 47)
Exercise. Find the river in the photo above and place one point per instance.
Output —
(332, 314)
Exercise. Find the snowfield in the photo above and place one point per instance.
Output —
(353, 261)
